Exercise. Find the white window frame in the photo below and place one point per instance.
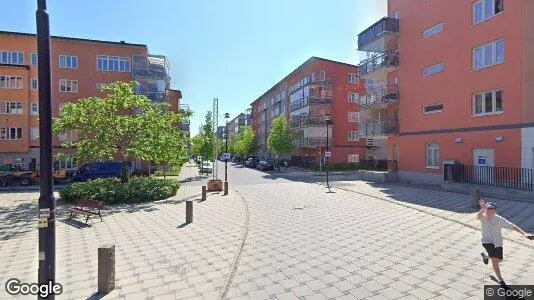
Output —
(11, 57)
(5, 133)
(353, 116)
(494, 56)
(353, 136)
(432, 161)
(67, 162)
(353, 78)
(114, 63)
(494, 103)
(34, 59)
(66, 83)
(11, 108)
(12, 82)
(428, 74)
(35, 133)
(353, 97)
(432, 31)
(68, 61)
(34, 80)
(486, 17)
(434, 111)
(353, 158)
(34, 108)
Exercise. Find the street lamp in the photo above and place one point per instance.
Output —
(226, 117)
(47, 203)
(328, 120)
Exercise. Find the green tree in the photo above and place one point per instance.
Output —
(196, 144)
(208, 138)
(120, 126)
(280, 140)
(246, 143)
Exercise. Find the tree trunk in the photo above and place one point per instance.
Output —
(124, 172)
(164, 171)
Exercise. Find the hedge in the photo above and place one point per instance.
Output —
(113, 191)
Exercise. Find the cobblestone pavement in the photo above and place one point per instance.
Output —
(301, 243)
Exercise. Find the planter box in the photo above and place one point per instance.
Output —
(215, 186)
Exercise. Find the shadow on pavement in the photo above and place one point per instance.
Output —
(75, 223)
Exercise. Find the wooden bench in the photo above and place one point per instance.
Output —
(87, 207)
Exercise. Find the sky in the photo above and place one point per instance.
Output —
(233, 50)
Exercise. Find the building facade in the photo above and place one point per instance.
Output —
(317, 88)
(465, 77)
(235, 125)
(79, 68)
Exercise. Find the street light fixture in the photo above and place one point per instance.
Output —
(329, 121)
(226, 117)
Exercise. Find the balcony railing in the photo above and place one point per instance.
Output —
(378, 29)
(311, 101)
(152, 95)
(311, 142)
(299, 122)
(379, 129)
(317, 81)
(379, 96)
(378, 61)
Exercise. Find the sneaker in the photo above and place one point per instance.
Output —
(485, 258)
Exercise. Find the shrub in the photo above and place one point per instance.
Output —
(113, 191)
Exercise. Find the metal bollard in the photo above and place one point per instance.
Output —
(475, 197)
(189, 212)
(106, 268)
(203, 193)
(226, 188)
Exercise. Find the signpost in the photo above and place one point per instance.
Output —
(328, 154)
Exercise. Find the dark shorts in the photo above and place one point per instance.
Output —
(495, 252)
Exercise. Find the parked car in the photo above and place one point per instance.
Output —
(90, 171)
(62, 175)
(251, 162)
(206, 167)
(264, 166)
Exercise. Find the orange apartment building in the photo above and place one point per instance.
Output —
(463, 80)
(79, 68)
(317, 88)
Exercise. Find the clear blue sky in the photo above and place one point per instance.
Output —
(231, 49)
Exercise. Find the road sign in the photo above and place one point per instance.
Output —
(226, 156)
(328, 154)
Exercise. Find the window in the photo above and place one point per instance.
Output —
(488, 103)
(35, 84)
(68, 86)
(11, 82)
(432, 109)
(488, 55)
(67, 162)
(11, 57)
(35, 133)
(354, 116)
(486, 9)
(432, 156)
(68, 62)
(369, 84)
(433, 30)
(11, 108)
(353, 136)
(69, 136)
(10, 133)
(34, 59)
(396, 14)
(112, 63)
(353, 78)
(353, 97)
(438, 68)
(34, 109)
(354, 158)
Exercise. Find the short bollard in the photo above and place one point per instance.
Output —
(106, 269)
(475, 196)
(189, 212)
(226, 188)
(203, 193)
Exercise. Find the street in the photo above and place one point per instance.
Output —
(275, 236)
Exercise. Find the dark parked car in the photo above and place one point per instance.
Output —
(251, 162)
(96, 170)
(264, 166)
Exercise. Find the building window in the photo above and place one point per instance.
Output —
(433, 30)
(488, 103)
(11, 108)
(11, 57)
(68, 86)
(35, 133)
(35, 84)
(354, 158)
(438, 68)
(34, 109)
(353, 78)
(67, 162)
(432, 109)
(488, 55)
(68, 136)
(354, 116)
(353, 97)
(112, 63)
(432, 156)
(486, 9)
(68, 62)
(11, 82)
(10, 133)
(353, 136)
(34, 59)
(99, 86)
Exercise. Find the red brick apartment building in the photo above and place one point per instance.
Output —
(79, 67)
(453, 85)
(317, 88)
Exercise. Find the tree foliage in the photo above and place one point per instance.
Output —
(280, 140)
(246, 144)
(122, 126)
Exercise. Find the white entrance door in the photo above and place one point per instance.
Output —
(483, 162)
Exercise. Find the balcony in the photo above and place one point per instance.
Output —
(311, 101)
(379, 129)
(156, 96)
(379, 97)
(300, 122)
(318, 81)
(377, 66)
(376, 36)
(311, 142)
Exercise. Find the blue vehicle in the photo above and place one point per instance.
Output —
(96, 170)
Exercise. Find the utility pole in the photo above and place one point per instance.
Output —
(226, 117)
(328, 121)
(47, 202)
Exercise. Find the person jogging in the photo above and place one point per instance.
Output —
(492, 239)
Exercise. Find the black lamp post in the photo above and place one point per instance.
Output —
(47, 203)
(226, 116)
(328, 120)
